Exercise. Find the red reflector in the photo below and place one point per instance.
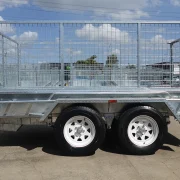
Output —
(112, 101)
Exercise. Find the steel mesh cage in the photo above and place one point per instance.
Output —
(89, 54)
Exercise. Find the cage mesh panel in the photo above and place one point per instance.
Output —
(52, 55)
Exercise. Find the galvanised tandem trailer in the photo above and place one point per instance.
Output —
(85, 77)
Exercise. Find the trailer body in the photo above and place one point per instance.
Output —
(46, 67)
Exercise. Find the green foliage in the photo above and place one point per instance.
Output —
(90, 60)
(81, 62)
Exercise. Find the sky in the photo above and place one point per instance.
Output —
(82, 41)
(90, 10)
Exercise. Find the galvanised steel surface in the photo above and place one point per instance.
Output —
(40, 103)
(43, 64)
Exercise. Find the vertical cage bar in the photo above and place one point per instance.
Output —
(171, 64)
(19, 64)
(139, 54)
(3, 62)
(61, 50)
(59, 69)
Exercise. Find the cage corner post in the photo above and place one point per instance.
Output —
(61, 53)
(138, 54)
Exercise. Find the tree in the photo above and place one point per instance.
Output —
(81, 62)
(89, 61)
(93, 57)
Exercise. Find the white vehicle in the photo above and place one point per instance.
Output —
(82, 78)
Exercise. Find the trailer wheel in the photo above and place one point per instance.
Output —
(141, 130)
(79, 130)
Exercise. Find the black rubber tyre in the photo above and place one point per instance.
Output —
(122, 130)
(96, 119)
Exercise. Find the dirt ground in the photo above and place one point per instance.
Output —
(32, 153)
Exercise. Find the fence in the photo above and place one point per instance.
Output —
(89, 54)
